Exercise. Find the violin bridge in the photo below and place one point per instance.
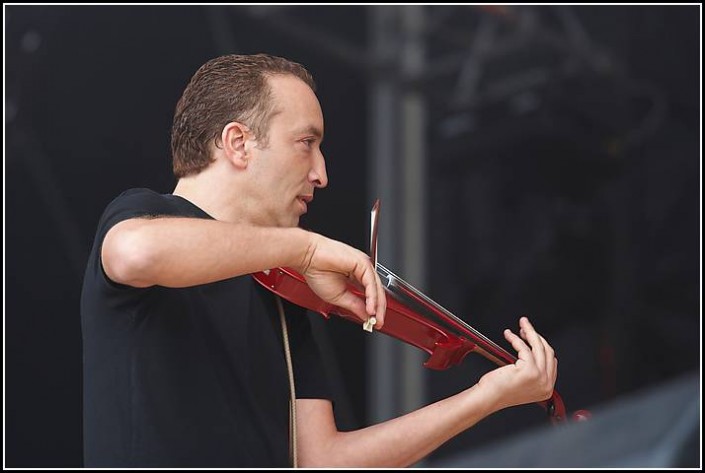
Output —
(369, 325)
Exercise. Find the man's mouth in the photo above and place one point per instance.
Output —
(304, 200)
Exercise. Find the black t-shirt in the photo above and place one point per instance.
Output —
(189, 377)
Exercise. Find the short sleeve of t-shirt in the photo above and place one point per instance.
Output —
(136, 203)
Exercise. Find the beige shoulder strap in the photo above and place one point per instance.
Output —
(292, 392)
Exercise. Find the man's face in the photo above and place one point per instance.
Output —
(286, 172)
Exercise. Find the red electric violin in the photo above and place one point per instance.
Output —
(411, 317)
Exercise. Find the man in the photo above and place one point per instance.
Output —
(184, 358)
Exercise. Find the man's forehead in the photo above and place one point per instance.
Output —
(286, 84)
(296, 105)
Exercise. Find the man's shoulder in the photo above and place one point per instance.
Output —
(138, 196)
(139, 192)
(137, 202)
(143, 201)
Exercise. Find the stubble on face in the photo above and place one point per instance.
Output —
(281, 168)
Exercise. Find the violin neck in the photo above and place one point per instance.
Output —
(412, 296)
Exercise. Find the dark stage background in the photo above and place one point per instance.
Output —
(563, 168)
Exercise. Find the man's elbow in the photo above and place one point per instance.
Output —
(126, 255)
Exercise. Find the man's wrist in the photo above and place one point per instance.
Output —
(308, 249)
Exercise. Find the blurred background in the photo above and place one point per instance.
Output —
(538, 160)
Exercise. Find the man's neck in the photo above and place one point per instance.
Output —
(204, 191)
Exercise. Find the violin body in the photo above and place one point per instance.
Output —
(410, 317)
(445, 349)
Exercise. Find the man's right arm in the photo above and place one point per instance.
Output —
(182, 252)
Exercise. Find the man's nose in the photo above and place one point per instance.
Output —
(318, 175)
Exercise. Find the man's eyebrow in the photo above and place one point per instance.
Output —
(310, 130)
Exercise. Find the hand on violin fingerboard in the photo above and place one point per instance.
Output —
(532, 377)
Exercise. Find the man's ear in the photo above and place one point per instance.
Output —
(234, 138)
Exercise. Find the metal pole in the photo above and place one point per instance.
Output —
(413, 145)
(397, 167)
(382, 350)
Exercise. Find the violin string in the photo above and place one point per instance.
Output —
(386, 273)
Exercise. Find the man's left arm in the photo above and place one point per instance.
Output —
(406, 439)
